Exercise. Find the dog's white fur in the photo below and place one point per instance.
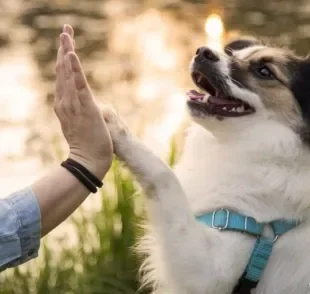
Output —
(255, 165)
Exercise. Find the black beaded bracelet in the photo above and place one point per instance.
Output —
(85, 172)
(80, 176)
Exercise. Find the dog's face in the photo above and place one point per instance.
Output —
(248, 84)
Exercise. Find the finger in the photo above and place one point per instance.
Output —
(69, 30)
(71, 101)
(81, 83)
(109, 113)
(60, 74)
(66, 42)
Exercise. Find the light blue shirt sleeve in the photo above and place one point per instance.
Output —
(20, 228)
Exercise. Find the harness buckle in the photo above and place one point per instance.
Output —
(220, 228)
(275, 238)
(245, 224)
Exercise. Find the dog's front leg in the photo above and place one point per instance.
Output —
(185, 246)
(167, 200)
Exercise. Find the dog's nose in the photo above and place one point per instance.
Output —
(206, 53)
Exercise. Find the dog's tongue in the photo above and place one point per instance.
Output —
(194, 95)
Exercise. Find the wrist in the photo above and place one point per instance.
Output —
(98, 168)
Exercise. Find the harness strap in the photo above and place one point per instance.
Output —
(224, 219)
(259, 258)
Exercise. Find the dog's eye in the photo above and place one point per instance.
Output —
(264, 72)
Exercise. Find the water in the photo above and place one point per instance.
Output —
(135, 54)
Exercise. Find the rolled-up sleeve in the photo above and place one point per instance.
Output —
(20, 228)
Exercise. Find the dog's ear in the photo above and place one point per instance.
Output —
(300, 85)
(239, 44)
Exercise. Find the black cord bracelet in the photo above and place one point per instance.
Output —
(79, 175)
(85, 172)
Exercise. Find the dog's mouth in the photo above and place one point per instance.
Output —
(217, 103)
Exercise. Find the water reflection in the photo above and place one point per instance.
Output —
(214, 29)
(135, 53)
(17, 99)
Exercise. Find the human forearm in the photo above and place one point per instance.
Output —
(59, 193)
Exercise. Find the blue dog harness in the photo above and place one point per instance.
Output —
(224, 219)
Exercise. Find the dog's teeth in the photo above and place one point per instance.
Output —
(240, 109)
(233, 109)
(205, 98)
(199, 79)
(225, 108)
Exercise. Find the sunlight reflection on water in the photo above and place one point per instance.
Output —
(16, 95)
(158, 60)
(17, 98)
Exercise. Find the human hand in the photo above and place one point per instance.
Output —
(80, 118)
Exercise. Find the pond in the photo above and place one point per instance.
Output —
(136, 56)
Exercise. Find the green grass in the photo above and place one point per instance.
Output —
(103, 261)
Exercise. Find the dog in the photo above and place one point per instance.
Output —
(247, 151)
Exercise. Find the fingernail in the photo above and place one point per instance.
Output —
(64, 27)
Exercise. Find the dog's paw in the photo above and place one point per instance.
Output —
(117, 128)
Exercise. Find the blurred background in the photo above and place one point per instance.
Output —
(136, 55)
